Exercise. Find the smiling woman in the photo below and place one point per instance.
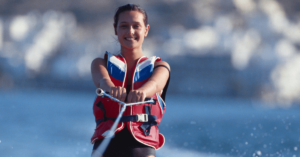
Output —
(130, 77)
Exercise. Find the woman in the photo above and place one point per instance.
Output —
(130, 77)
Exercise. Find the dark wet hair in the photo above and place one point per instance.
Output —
(130, 7)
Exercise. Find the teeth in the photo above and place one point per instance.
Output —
(129, 38)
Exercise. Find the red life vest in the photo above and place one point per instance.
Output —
(143, 118)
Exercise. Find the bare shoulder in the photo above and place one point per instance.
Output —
(164, 63)
(98, 61)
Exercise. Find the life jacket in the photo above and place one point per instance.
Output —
(141, 120)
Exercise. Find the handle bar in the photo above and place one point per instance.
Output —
(101, 92)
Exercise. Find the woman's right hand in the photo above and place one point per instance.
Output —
(118, 93)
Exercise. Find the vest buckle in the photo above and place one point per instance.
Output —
(142, 117)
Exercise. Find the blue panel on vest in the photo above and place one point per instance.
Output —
(162, 104)
(143, 74)
(115, 72)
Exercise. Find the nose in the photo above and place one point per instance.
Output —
(131, 30)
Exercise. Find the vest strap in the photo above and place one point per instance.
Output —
(137, 118)
(101, 106)
(146, 126)
(148, 119)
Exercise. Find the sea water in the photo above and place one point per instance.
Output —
(35, 122)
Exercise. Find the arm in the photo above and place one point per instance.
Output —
(155, 83)
(102, 80)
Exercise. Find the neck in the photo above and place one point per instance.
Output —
(131, 55)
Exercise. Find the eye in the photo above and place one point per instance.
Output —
(123, 26)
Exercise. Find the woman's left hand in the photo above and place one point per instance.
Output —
(136, 96)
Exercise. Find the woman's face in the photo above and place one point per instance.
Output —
(131, 29)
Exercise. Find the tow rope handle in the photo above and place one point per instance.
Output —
(101, 92)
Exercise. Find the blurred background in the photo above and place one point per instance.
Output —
(235, 80)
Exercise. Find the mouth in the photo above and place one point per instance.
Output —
(130, 39)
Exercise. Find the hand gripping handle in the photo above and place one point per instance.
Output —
(101, 92)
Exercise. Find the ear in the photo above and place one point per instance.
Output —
(147, 30)
(115, 30)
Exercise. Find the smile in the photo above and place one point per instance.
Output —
(130, 38)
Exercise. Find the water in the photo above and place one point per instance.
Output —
(38, 123)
